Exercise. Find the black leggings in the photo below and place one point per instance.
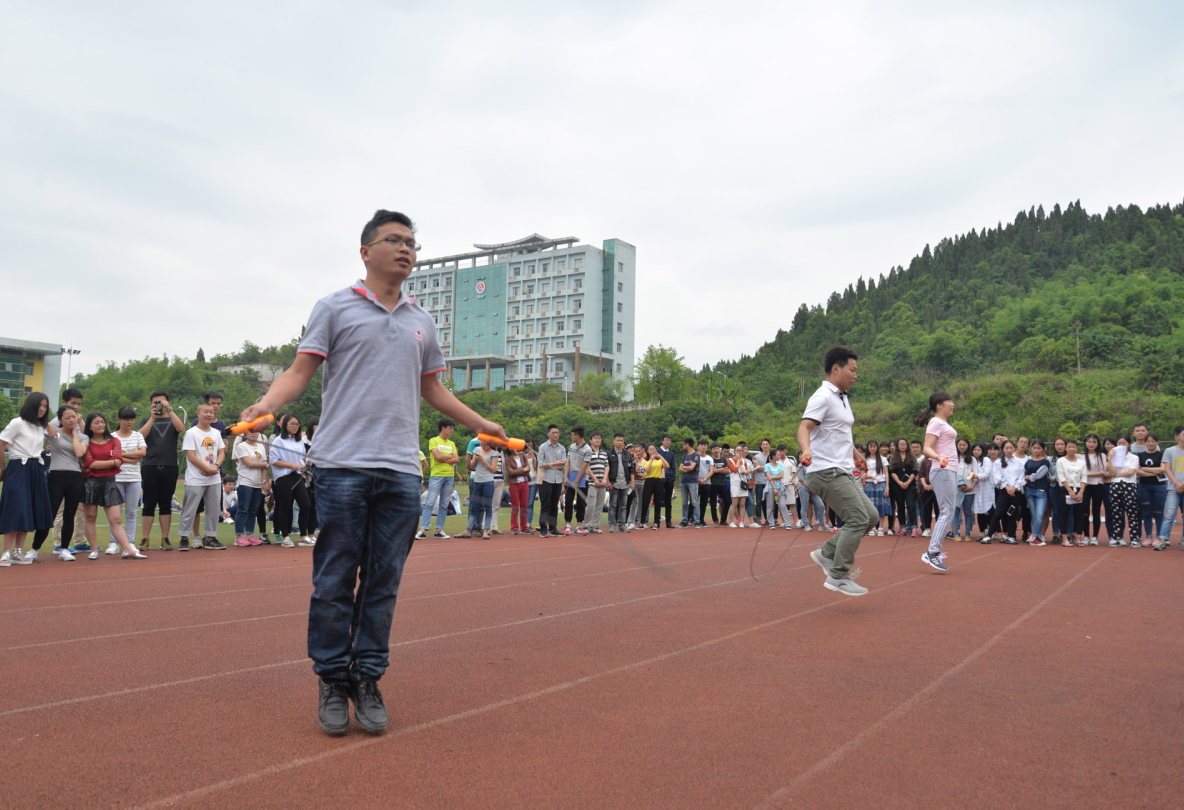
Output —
(1091, 504)
(64, 485)
(654, 488)
(984, 520)
(1003, 503)
(902, 503)
(291, 488)
(1075, 512)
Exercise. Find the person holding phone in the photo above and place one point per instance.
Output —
(159, 469)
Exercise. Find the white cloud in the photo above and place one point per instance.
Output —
(163, 164)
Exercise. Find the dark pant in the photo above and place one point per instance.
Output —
(927, 504)
(758, 501)
(654, 489)
(721, 495)
(1007, 512)
(1151, 501)
(903, 502)
(288, 489)
(64, 485)
(367, 528)
(1073, 517)
(159, 486)
(667, 501)
(549, 506)
(1095, 496)
(574, 501)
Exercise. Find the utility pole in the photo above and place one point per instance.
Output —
(70, 352)
(1077, 323)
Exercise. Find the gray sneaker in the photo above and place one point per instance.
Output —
(822, 560)
(847, 587)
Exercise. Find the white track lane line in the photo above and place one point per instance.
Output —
(404, 599)
(197, 793)
(517, 623)
(859, 739)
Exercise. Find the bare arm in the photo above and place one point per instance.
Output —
(287, 387)
(928, 450)
(804, 428)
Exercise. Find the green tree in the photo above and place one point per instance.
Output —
(660, 375)
(599, 390)
(201, 355)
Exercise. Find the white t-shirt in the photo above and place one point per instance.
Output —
(206, 444)
(25, 440)
(247, 476)
(130, 470)
(831, 441)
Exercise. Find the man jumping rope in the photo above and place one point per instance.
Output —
(377, 345)
(828, 451)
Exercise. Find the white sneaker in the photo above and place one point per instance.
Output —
(307, 541)
(807, 528)
(567, 529)
(1113, 543)
(287, 542)
(32, 555)
(66, 556)
(630, 527)
(798, 525)
(925, 533)
(1093, 541)
(94, 555)
(421, 534)
(5, 560)
(112, 548)
(732, 525)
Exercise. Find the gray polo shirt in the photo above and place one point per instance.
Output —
(370, 390)
(578, 456)
(549, 454)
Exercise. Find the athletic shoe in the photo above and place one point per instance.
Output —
(264, 540)
(683, 525)
(580, 530)
(112, 548)
(65, 556)
(212, 543)
(94, 555)
(279, 540)
(629, 526)
(241, 540)
(1160, 546)
(197, 543)
(307, 541)
(421, 534)
(821, 560)
(985, 540)
(18, 557)
(1009, 540)
(5, 560)
(926, 533)
(1093, 541)
(228, 520)
(369, 710)
(32, 555)
(1121, 542)
(879, 532)
(183, 545)
(333, 711)
(731, 525)
(935, 560)
(440, 535)
(807, 528)
(143, 542)
(567, 529)
(1113, 543)
(166, 544)
(799, 525)
(1036, 541)
(286, 542)
(846, 587)
(914, 533)
(1136, 544)
(83, 546)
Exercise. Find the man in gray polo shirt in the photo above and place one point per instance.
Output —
(829, 456)
(380, 355)
(552, 463)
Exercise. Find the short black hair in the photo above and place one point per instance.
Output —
(618, 435)
(212, 395)
(444, 422)
(704, 440)
(689, 442)
(552, 427)
(31, 405)
(65, 408)
(1140, 424)
(310, 429)
(715, 445)
(382, 217)
(1151, 435)
(725, 446)
(837, 356)
(596, 433)
(578, 430)
(1178, 430)
(127, 412)
(154, 395)
(71, 393)
(667, 436)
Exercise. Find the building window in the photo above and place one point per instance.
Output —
(29, 371)
(620, 307)
(619, 326)
(558, 367)
(513, 350)
(529, 309)
(618, 348)
(620, 267)
(423, 284)
(576, 304)
(448, 300)
(530, 368)
(513, 331)
(448, 282)
(542, 328)
(517, 272)
(577, 263)
(447, 318)
(618, 368)
(545, 287)
(575, 344)
(561, 265)
(579, 284)
(559, 286)
(436, 282)
(530, 270)
(530, 289)
(575, 324)
(620, 286)
(435, 300)
(559, 344)
(546, 266)
(530, 329)
(558, 326)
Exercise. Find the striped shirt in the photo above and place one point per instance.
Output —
(597, 464)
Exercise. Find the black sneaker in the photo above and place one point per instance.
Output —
(183, 545)
(263, 540)
(210, 542)
(166, 544)
(369, 710)
(333, 711)
(934, 560)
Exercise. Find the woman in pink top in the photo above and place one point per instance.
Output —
(941, 445)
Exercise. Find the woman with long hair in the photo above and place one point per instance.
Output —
(1071, 475)
(964, 500)
(1009, 489)
(65, 478)
(287, 460)
(100, 465)
(941, 448)
(1056, 496)
(1123, 466)
(902, 474)
(875, 482)
(24, 498)
(1037, 471)
(984, 454)
(1095, 492)
(652, 483)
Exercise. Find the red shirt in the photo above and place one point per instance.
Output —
(101, 452)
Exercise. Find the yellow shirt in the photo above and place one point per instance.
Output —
(439, 468)
(653, 468)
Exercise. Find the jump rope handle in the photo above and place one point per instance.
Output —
(513, 444)
(254, 426)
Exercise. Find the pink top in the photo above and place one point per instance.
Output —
(946, 445)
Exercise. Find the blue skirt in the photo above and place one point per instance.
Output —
(879, 500)
(24, 498)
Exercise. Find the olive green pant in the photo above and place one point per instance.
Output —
(842, 494)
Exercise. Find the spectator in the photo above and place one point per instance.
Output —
(100, 465)
(596, 471)
(128, 480)
(65, 478)
(24, 496)
(442, 469)
(204, 450)
(159, 469)
(688, 486)
(251, 465)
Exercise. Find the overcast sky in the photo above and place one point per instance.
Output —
(175, 177)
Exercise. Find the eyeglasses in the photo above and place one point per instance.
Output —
(395, 241)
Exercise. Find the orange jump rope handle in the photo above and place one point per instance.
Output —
(944, 460)
(513, 444)
(253, 426)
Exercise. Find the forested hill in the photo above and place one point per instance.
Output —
(1007, 298)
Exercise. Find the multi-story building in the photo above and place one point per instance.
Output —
(535, 309)
(27, 366)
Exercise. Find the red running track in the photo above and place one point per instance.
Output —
(600, 673)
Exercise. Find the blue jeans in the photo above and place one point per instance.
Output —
(531, 495)
(249, 499)
(480, 505)
(809, 497)
(1151, 501)
(1170, 505)
(967, 513)
(439, 492)
(1037, 503)
(367, 528)
(690, 502)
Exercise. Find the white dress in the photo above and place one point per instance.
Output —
(984, 490)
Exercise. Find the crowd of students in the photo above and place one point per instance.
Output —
(1007, 491)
